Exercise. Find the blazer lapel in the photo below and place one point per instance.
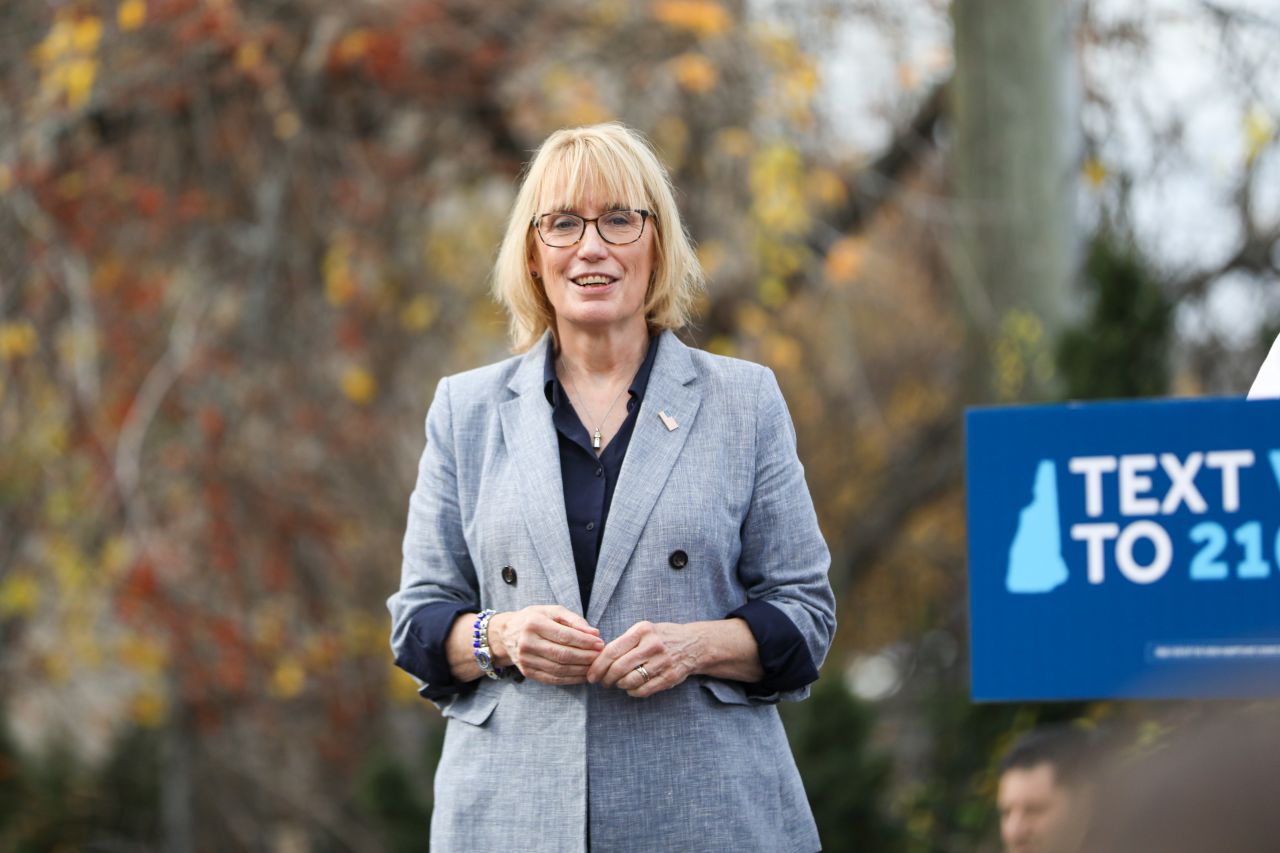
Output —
(650, 457)
(535, 454)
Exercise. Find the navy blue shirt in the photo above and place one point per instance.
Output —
(588, 490)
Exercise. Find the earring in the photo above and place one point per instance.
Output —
(535, 274)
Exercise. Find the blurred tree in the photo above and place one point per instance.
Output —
(846, 780)
(1121, 348)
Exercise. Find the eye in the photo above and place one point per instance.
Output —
(565, 223)
(619, 218)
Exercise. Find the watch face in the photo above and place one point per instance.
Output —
(484, 660)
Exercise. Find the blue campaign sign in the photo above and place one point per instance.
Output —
(1125, 550)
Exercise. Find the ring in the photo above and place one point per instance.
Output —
(644, 673)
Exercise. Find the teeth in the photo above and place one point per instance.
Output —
(592, 279)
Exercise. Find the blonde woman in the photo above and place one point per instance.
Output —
(612, 569)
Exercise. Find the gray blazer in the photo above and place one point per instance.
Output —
(702, 766)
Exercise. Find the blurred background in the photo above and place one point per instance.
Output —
(240, 241)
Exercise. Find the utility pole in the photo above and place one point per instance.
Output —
(1015, 162)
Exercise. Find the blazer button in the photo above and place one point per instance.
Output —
(678, 559)
(509, 575)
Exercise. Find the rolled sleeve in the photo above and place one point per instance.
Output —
(426, 656)
(785, 559)
(784, 655)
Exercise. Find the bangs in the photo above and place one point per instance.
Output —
(580, 171)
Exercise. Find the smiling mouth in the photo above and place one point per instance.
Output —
(590, 281)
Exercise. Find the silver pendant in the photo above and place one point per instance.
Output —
(595, 440)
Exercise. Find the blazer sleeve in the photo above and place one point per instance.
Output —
(784, 560)
(437, 568)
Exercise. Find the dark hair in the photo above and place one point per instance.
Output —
(1067, 747)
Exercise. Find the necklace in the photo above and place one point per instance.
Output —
(595, 436)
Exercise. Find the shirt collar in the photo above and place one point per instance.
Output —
(638, 383)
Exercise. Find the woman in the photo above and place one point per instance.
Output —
(612, 568)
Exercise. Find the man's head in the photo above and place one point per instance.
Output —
(1043, 797)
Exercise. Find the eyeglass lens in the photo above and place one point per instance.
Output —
(565, 229)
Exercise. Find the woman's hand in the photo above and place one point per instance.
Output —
(549, 643)
(671, 652)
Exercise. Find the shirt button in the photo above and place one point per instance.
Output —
(599, 472)
(678, 559)
(591, 525)
(509, 575)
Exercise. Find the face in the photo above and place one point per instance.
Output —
(1035, 812)
(593, 285)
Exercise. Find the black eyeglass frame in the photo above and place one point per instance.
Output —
(645, 215)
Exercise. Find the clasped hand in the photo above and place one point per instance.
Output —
(554, 645)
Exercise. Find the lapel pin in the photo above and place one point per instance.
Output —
(667, 421)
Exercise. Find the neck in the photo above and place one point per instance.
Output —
(606, 353)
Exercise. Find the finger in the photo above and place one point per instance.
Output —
(557, 680)
(567, 635)
(610, 654)
(567, 617)
(554, 654)
(648, 652)
(663, 681)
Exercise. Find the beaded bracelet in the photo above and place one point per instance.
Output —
(480, 642)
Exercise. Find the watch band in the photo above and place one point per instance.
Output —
(480, 644)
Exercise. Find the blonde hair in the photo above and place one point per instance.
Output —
(619, 164)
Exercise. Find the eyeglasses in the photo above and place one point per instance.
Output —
(617, 227)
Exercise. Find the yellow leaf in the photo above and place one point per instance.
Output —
(695, 73)
(777, 173)
(363, 633)
(19, 595)
(419, 314)
(321, 652)
(17, 339)
(289, 679)
(249, 56)
(352, 46)
(825, 187)
(287, 125)
(87, 34)
(359, 385)
(735, 142)
(844, 260)
(773, 293)
(752, 320)
(56, 668)
(80, 74)
(131, 15)
(721, 345)
(1259, 130)
(711, 255)
(703, 18)
(401, 686)
(671, 135)
(144, 655)
(782, 352)
(114, 557)
(149, 709)
(801, 83)
(1095, 172)
(57, 43)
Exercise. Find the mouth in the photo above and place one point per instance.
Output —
(593, 280)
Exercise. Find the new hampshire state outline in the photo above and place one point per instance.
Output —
(1035, 557)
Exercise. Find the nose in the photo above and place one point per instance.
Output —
(592, 246)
